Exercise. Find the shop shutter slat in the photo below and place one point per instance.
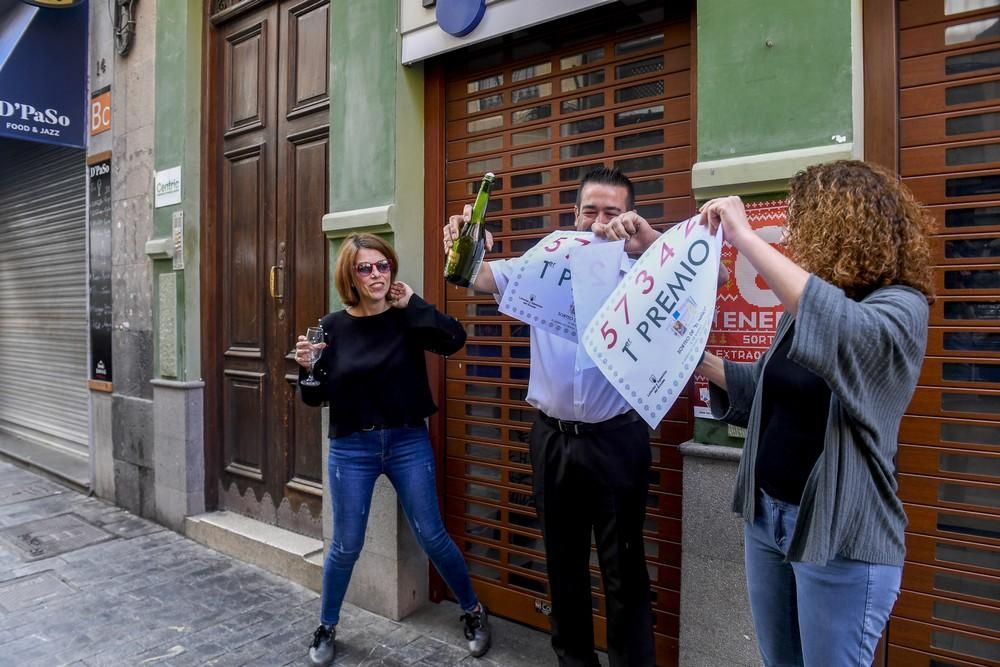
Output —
(43, 298)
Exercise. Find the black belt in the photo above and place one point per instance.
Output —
(576, 428)
(341, 430)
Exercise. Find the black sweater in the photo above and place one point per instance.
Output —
(372, 371)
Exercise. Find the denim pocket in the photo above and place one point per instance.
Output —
(783, 516)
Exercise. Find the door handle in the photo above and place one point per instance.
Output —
(272, 281)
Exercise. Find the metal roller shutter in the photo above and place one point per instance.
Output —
(43, 295)
(540, 122)
(948, 612)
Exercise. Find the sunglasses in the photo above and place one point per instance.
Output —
(365, 268)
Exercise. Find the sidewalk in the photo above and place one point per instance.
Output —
(83, 582)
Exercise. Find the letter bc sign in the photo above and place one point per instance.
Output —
(460, 17)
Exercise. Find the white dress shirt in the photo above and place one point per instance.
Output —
(557, 385)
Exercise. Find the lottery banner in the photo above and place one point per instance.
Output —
(648, 336)
(540, 289)
(747, 310)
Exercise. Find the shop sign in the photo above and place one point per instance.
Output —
(167, 187)
(100, 111)
(99, 223)
(747, 309)
(459, 17)
(43, 73)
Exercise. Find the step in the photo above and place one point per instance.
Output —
(279, 551)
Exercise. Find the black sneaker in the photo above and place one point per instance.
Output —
(322, 649)
(477, 631)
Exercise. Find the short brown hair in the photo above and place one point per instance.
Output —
(855, 225)
(344, 269)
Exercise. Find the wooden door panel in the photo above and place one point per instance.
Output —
(949, 463)
(968, 616)
(951, 583)
(976, 373)
(244, 412)
(954, 524)
(965, 249)
(246, 69)
(980, 217)
(900, 656)
(981, 497)
(950, 66)
(914, 13)
(965, 311)
(982, 435)
(947, 642)
(953, 157)
(966, 30)
(244, 256)
(935, 402)
(968, 187)
(940, 128)
(308, 73)
(956, 554)
(973, 93)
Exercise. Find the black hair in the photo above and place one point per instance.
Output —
(608, 176)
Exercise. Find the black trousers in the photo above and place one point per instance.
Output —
(595, 481)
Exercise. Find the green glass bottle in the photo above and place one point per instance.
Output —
(466, 255)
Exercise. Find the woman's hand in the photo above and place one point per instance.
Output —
(731, 215)
(399, 294)
(303, 352)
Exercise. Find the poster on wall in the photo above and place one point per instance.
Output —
(99, 242)
(747, 310)
(43, 72)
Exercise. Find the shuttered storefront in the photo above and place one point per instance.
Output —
(43, 295)
(949, 459)
(540, 122)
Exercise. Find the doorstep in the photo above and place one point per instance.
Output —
(279, 551)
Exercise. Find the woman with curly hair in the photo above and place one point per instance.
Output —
(816, 482)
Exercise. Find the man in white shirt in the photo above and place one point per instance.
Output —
(590, 458)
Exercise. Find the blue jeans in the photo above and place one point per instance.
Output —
(404, 455)
(807, 614)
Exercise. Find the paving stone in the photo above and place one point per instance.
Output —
(145, 595)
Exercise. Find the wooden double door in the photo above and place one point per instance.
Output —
(268, 105)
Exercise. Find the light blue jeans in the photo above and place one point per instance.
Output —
(813, 615)
(404, 455)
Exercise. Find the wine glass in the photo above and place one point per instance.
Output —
(314, 336)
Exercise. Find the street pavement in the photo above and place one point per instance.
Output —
(83, 582)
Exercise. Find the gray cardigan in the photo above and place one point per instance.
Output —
(869, 353)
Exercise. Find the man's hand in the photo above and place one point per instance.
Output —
(454, 226)
(629, 227)
(723, 275)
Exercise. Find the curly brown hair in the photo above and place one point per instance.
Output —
(855, 225)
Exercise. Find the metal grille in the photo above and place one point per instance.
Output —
(949, 458)
(540, 123)
(43, 294)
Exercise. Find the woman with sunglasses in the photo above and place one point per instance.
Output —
(373, 376)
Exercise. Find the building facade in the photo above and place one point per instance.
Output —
(248, 138)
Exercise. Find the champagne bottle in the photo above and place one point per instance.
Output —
(466, 255)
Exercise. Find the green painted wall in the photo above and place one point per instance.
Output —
(754, 98)
(376, 131)
(362, 103)
(178, 142)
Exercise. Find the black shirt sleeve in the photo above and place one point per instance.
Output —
(433, 330)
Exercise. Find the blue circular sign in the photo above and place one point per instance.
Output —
(460, 17)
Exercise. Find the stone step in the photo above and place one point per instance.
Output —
(279, 551)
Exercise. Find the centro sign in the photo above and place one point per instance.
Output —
(459, 17)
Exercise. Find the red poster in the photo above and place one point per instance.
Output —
(746, 311)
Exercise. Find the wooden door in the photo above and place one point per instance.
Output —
(271, 116)
(540, 115)
(948, 612)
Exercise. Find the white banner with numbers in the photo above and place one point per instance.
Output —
(540, 289)
(648, 336)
